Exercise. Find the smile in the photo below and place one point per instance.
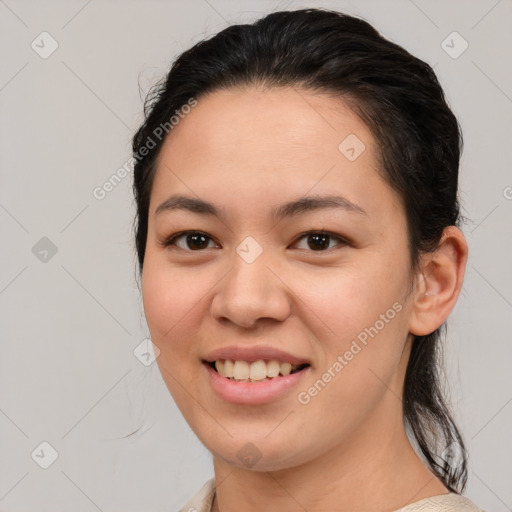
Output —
(260, 370)
(243, 390)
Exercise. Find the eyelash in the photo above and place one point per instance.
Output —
(171, 240)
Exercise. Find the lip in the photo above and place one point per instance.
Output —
(253, 393)
(252, 354)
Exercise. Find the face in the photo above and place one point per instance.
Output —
(247, 278)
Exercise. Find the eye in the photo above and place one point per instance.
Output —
(319, 241)
(193, 240)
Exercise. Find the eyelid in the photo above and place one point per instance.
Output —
(170, 240)
(323, 232)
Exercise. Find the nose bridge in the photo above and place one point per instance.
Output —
(250, 290)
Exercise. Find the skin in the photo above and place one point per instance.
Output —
(248, 151)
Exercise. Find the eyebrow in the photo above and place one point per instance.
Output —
(292, 208)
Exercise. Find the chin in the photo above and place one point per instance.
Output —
(259, 454)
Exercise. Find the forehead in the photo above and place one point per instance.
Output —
(274, 143)
(262, 120)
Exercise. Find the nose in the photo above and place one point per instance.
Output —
(251, 292)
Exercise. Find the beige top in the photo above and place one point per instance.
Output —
(202, 502)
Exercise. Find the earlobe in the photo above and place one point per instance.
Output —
(439, 282)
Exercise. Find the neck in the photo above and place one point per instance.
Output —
(376, 469)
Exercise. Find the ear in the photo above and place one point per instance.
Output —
(438, 282)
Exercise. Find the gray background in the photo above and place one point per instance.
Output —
(71, 320)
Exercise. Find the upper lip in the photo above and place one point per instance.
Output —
(252, 354)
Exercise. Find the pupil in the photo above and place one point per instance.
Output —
(197, 241)
(318, 239)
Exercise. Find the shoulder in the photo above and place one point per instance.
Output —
(443, 503)
(202, 500)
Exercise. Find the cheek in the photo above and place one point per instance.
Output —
(172, 299)
(173, 310)
(357, 313)
(348, 299)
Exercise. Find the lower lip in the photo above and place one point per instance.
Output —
(254, 393)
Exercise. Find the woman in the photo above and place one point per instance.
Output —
(298, 242)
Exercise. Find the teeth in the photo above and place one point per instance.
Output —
(286, 368)
(220, 365)
(241, 370)
(259, 370)
(273, 368)
(228, 367)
